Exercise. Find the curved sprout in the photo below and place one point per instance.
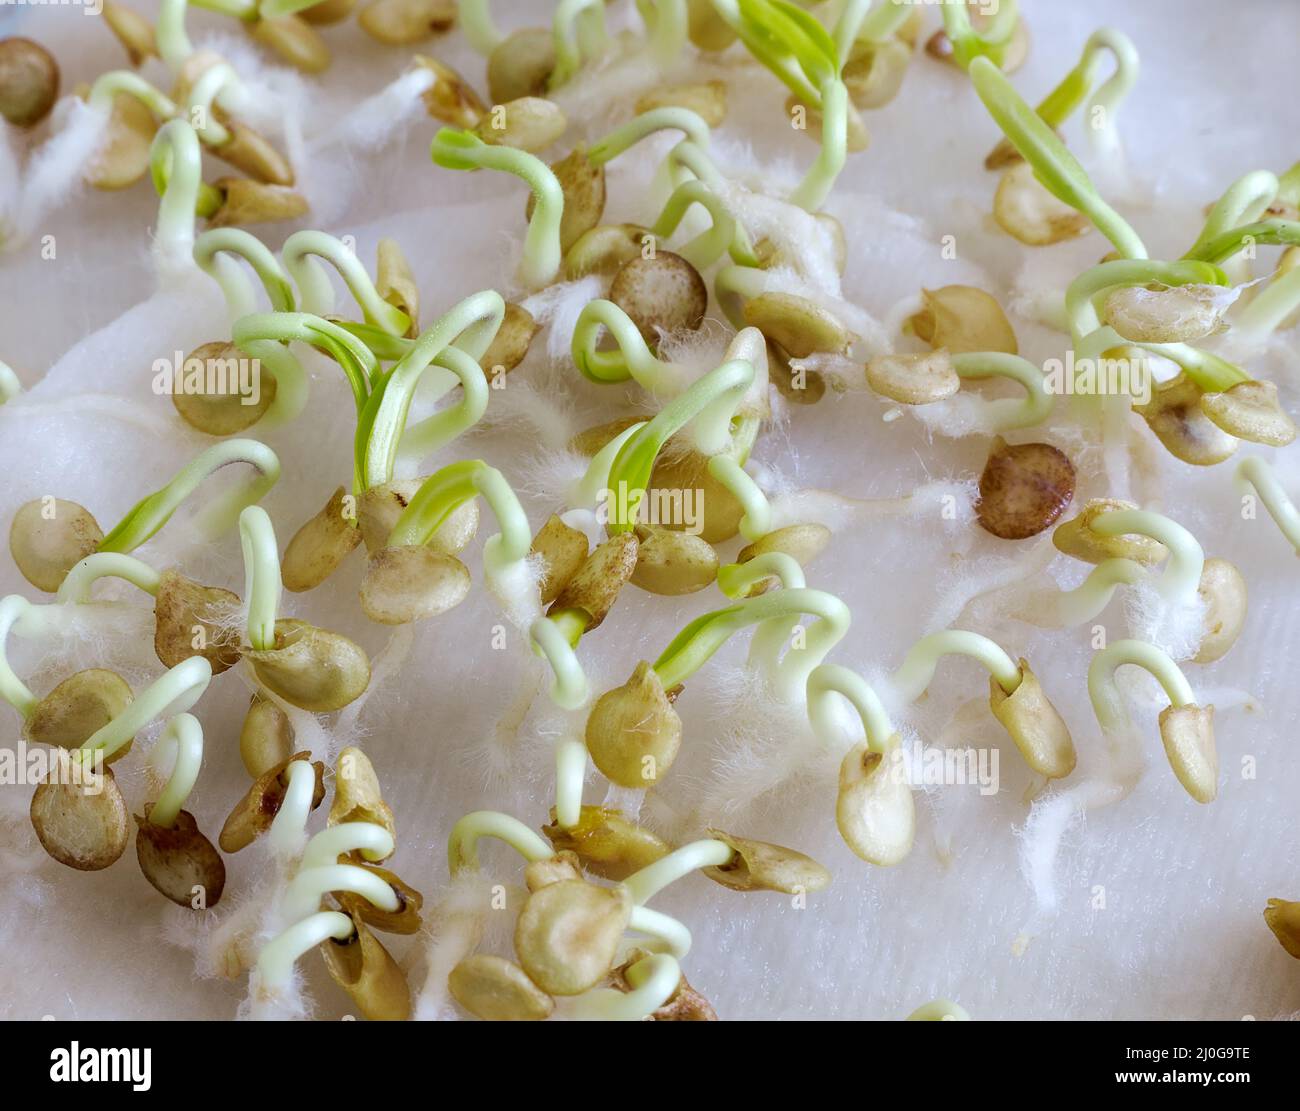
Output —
(215, 252)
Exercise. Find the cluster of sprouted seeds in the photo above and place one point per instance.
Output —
(586, 944)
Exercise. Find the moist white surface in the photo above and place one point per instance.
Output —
(1152, 906)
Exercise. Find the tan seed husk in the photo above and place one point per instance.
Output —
(1188, 736)
(685, 474)
(555, 869)
(402, 22)
(531, 123)
(1165, 314)
(874, 72)
(295, 40)
(1076, 537)
(1024, 489)
(496, 990)
(405, 920)
(253, 202)
(568, 934)
(589, 441)
(395, 283)
(511, 343)
(583, 186)
(451, 98)
(594, 587)
(249, 151)
(1251, 411)
(45, 550)
(672, 563)
(706, 28)
(1223, 589)
(132, 30)
(762, 866)
(411, 582)
(185, 610)
(663, 294)
(83, 824)
(320, 546)
(799, 326)
(328, 12)
(606, 843)
(223, 413)
(963, 319)
(521, 65)
(254, 813)
(874, 811)
(803, 543)
(563, 551)
(358, 796)
(914, 379)
(1027, 212)
(363, 968)
(266, 737)
(1038, 729)
(1283, 918)
(1175, 415)
(707, 99)
(380, 506)
(684, 1005)
(77, 708)
(180, 862)
(29, 81)
(633, 733)
(311, 668)
(604, 250)
(123, 156)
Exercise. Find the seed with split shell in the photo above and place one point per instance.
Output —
(607, 843)
(568, 934)
(254, 813)
(857, 137)
(1223, 590)
(318, 548)
(762, 866)
(81, 818)
(363, 968)
(633, 732)
(1026, 211)
(50, 536)
(450, 98)
(188, 622)
(511, 343)
(1175, 415)
(803, 543)
(874, 72)
(253, 202)
(395, 283)
(521, 65)
(1077, 538)
(180, 862)
(404, 920)
(266, 737)
(412, 582)
(357, 794)
(1167, 314)
(29, 81)
(1188, 736)
(682, 476)
(1038, 729)
(380, 506)
(295, 40)
(684, 1005)
(1251, 411)
(80, 706)
(563, 551)
(401, 22)
(1024, 489)
(707, 29)
(800, 327)
(672, 563)
(1283, 918)
(530, 123)
(496, 990)
(914, 379)
(554, 869)
(963, 319)
(583, 186)
(874, 809)
(223, 412)
(707, 99)
(595, 585)
(664, 294)
(123, 154)
(249, 151)
(311, 668)
(604, 249)
(132, 30)
(328, 11)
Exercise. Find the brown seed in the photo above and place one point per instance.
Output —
(295, 40)
(914, 379)
(762, 866)
(410, 583)
(1038, 729)
(328, 11)
(1026, 211)
(363, 968)
(380, 506)
(29, 81)
(1223, 589)
(799, 326)
(672, 563)
(963, 319)
(266, 737)
(224, 412)
(521, 65)
(405, 920)
(595, 585)
(604, 250)
(312, 668)
(1251, 411)
(249, 151)
(563, 551)
(583, 186)
(664, 294)
(80, 819)
(357, 794)
(495, 990)
(707, 99)
(1076, 537)
(396, 285)
(451, 98)
(607, 843)
(132, 30)
(323, 543)
(1283, 918)
(1175, 415)
(185, 612)
(402, 22)
(180, 862)
(50, 536)
(633, 733)
(1188, 736)
(568, 934)
(511, 343)
(254, 813)
(1024, 489)
(80, 706)
(680, 475)
(252, 202)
